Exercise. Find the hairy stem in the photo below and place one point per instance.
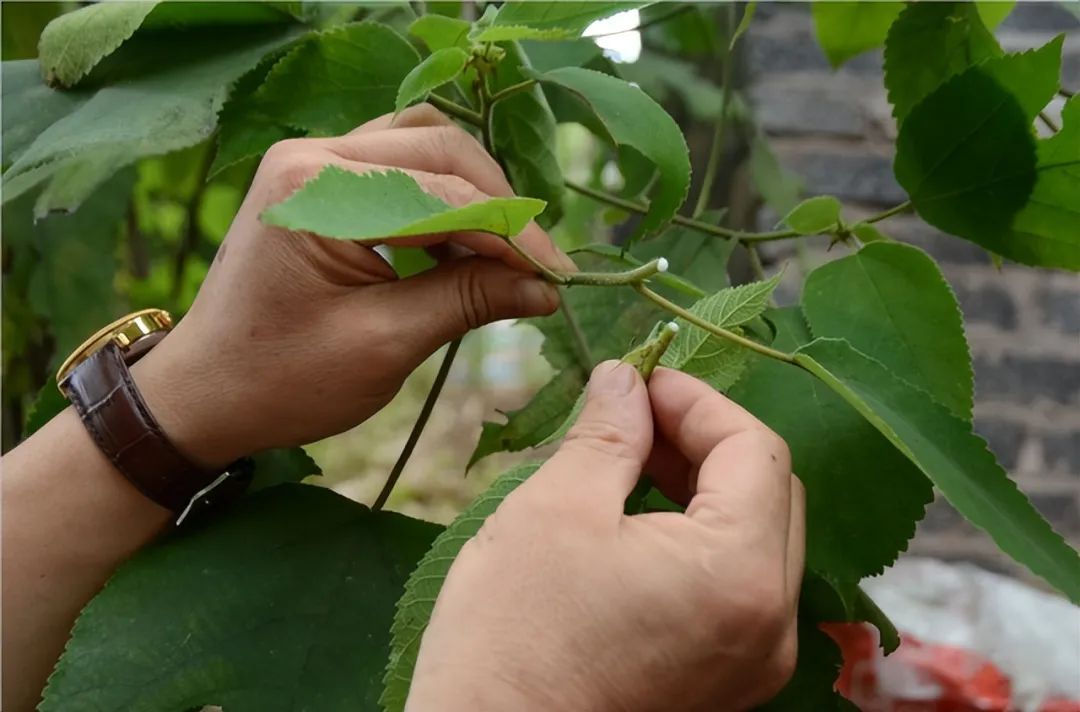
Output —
(456, 110)
(418, 427)
(511, 90)
(581, 344)
(756, 267)
(711, 328)
(717, 149)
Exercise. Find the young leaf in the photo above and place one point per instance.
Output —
(951, 455)
(339, 78)
(863, 497)
(439, 68)
(349, 206)
(744, 24)
(245, 613)
(847, 29)
(868, 232)
(524, 136)
(717, 361)
(631, 118)
(891, 302)
(281, 466)
(548, 20)
(415, 607)
(814, 215)
(929, 43)
(142, 111)
(779, 188)
(981, 175)
(439, 32)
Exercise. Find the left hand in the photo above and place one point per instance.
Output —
(294, 337)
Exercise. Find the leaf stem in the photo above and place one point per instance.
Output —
(726, 233)
(581, 343)
(511, 90)
(712, 328)
(717, 149)
(418, 427)
(456, 110)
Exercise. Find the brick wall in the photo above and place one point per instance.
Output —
(835, 130)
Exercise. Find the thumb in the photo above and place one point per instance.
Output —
(463, 294)
(604, 452)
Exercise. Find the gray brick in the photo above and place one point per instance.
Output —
(989, 303)
(787, 109)
(941, 518)
(1026, 379)
(858, 177)
(1060, 308)
(1062, 450)
(1004, 438)
(1059, 508)
(1047, 17)
(947, 249)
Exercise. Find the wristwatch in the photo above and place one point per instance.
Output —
(96, 379)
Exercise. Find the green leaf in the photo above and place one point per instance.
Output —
(666, 79)
(846, 602)
(867, 233)
(993, 12)
(439, 32)
(951, 455)
(744, 24)
(165, 95)
(812, 687)
(246, 613)
(847, 29)
(814, 215)
(524, 137)
(891, 302)
(437, 69)
(718, 362)
(548, 20)
(30, 106)
(981, 175)
(372, 206)
(339, 79)
(631, 118)
(415, 607)
(779, 188)
(281, 465)
(545, 56)
(863, 497)
(74, 43)
(929, 43)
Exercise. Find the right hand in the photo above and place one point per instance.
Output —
(561, 602)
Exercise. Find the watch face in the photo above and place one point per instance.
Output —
(135, 334)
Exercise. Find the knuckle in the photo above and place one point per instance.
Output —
(455, 190)
(475, 304)
(766, 441)
(600, 435)
(426, 115)
(287, 165)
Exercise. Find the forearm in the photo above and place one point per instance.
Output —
(69, 519)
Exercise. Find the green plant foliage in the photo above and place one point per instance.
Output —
(814, 216)
(867, 233)
(744, 24)
(338, 79)
(30, 106)
(778, 188)
(439, 32)
(941, 39)
(863, 498)
(631, 118)
(524, 136)
(891, 302)
(437, 69)
(718, 362)
(982, 175)
(415, 607)
(548, 21)
(142, 112)
(950, 454)
(281, 466)
(847, 29)
(72, 45)
(246, 613)
(663, 78)
(377, 206)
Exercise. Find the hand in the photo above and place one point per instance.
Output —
(294, 337)
(560, 602)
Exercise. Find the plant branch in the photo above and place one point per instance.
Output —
(456, 110)
(418, 427)
(717, 149)
(712, 328)
(581, 344)
(756, 267)
(1048, 121)
(511, 90)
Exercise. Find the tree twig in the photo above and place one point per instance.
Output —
(456, 110)
(418, 427)
(511, 90)
(717, 149)
(581, 343)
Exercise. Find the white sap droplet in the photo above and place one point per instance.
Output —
(662, 264)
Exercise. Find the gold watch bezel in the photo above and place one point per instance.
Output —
(125, 332)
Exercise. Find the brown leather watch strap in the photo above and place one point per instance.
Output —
(115, 414)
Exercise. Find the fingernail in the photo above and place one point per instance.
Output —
(613, 378)
(537, 297)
